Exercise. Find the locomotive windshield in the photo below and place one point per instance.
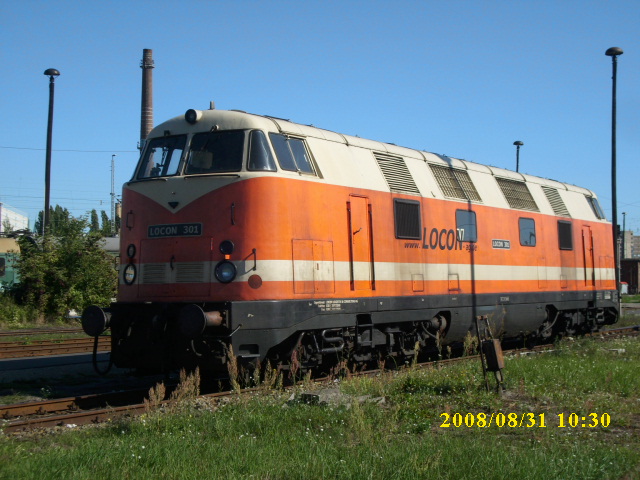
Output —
(222, 151)
(162, 157)
(215, 152)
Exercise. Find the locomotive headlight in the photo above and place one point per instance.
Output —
(225, 271)
(192, 116)
(129, 274)
(226, 247)
(131, 250)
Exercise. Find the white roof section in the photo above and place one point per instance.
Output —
(358, 163)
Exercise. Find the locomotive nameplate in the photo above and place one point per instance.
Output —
(504, 244)
(175, 230)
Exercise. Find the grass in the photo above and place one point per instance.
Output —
(265, 436)
(16, 317)
(630, 299)
(624, 321)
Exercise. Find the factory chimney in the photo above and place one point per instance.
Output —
(146, 112)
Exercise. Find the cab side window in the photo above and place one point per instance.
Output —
(260, 156)
(292, 153)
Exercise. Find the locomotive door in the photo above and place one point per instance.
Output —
(360, 243)
(587, 252)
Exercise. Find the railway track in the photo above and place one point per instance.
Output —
(37, 348)
(39, 331)
(87, 409)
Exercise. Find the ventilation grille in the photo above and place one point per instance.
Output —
(397, 174)
(455, 183)
(190, 272)
(517, 194)
(154, 273)
(558, 206)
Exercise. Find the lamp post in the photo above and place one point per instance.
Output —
(624, 228)
(614, 52)
(52, 73)
(518, 144)
(113, 196)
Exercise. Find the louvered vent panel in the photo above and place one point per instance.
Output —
(190, 272)
(397, 174)
(517, 194)
(455, 183)
(558, 206)
(467, 185)
(154, 273)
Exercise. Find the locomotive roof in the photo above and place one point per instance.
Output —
(238, 119)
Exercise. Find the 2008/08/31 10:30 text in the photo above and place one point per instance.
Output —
(528, 420)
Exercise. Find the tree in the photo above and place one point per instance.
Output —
(72, 273)
(6, 226)
(94, 226)
(107, 231)
(59, 218)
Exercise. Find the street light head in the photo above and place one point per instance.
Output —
(614, 52)
(518, 143)
(52, 72)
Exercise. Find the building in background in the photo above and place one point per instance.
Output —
(629, 246)
(630, 262)
(635, 246)
(627, 241)
(629, 273)
(12, 219)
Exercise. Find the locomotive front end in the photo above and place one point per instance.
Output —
(182, 249)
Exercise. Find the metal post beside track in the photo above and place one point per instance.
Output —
(490, 353)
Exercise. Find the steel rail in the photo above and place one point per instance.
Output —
(39, 331)
(39, 348)
(72, 404)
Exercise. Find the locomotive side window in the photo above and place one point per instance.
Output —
(260, 157)
(2, 267)
(565, 235)
(466, 226)
(595, 206)
(216, 152)
(527, 232)
(161, 157)
(292, 153)
(407, 219)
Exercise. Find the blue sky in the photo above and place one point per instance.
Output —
(461, 78)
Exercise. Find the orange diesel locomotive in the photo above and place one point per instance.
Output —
(282, 240)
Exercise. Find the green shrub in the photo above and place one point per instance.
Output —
(68, 271)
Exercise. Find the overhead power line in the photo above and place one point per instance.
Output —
(80, 151)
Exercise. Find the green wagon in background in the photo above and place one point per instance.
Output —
(9, 252)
